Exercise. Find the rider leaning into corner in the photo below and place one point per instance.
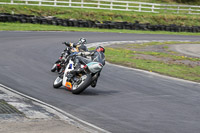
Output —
(96, 55)
(71, 47)
(80, 45)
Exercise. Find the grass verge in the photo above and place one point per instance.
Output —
(104, 15)
(38, 27)
(166, 63)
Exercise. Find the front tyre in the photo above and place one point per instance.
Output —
(58, 82)
(85, 82)
(53, 69)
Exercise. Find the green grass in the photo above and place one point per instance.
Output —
(104, 15)
(160, 54)
(143, 45)
(126, 58)
(173, 55)
(38, 27)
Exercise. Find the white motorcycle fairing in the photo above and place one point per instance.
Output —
(68, 68)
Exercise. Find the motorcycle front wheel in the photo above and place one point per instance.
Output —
(58, 82)
(53, 69)
(85, 81)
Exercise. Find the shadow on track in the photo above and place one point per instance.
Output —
(94, 92)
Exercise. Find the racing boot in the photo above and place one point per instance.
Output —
(94, 83)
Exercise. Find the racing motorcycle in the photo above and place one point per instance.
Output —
(78, 82)
(60, 63)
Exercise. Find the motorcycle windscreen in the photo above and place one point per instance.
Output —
(94, 66)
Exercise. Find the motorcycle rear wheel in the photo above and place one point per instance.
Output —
(83, 86)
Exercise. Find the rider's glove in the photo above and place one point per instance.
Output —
(67, 44)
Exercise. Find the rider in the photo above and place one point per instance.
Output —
(74, 47)
(80, 45)
(96, 55)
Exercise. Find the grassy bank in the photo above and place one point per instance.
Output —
(38, 27)
(164, 62)
(104, 15)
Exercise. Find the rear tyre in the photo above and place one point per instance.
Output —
(58, 82)
(83, 85)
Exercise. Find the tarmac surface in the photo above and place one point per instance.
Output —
(158, 104)
(188, 49)
(30, 117)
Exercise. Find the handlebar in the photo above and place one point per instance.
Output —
(67, 43)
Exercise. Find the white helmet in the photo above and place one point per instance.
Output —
(82, 41)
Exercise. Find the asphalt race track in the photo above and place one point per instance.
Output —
(124, 101)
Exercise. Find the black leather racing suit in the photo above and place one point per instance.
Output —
(94, 57)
